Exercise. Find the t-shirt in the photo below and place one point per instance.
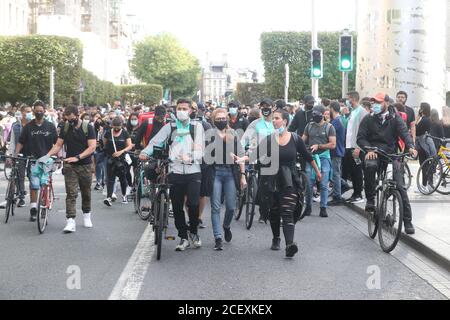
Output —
(317, 134)
(76, 142)
(411, 116)
(423, 126)
(120, 141)
(38, 140)
(340, 138)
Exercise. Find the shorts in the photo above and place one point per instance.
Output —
(207, 184)
(35, 181)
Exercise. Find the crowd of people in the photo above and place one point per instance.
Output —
(210, 148)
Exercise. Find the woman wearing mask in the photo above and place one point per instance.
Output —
(132, 128)
(282, 188)
(227, 176)
(117, 142)
(424, 146)
(99, 155)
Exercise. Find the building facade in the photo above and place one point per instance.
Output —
(14, 17)
(405, 48)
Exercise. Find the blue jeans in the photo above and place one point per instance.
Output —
(325, 170)
(224, 180)
(336, 163)
(100, 167)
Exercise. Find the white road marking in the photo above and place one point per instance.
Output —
(130, 282)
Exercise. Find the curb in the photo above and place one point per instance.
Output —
(413, 243)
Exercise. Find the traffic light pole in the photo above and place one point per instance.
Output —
(314, 82)
(344, 84)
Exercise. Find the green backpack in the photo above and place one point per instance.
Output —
(84, 127)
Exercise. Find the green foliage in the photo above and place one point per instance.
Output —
(97, 91)
(162, 60)
(250, 93)
(25, 64)
(143, 93)
(279, 48)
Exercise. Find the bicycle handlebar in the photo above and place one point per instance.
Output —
(442, 140)
(385, 154)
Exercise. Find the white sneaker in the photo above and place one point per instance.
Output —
(184, 244)
(87, 220)
(125, 200)
(71, 226)
(196, 242)
(129, 190)
(108, 202)
(113, 197)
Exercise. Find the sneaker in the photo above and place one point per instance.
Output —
(276, 242)
(219, 245)
(345, 188)
(87, 220)
(291, 250)
(97, 187)
(70, 226)
(129, 190)
(108, 202)
(316, 198)
(409, 228)
(33, 214)
(308, 211)
(113, 197)
(21, 203)
(200, 223)
(261, 220)
(336, 202)
(323, 213)
(125, 200)
(355, 199)
(196, 242)
(228, 234)
(184, 244)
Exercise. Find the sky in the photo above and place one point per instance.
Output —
(211, 28)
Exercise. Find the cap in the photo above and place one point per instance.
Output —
(266, 102)
(280, 104)
(319, 109)
(308, 99)
(380, 97)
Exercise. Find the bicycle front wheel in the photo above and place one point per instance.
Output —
(407, 176)
(240, 201)
(429, 176)
(252, 190)
(390, 220)
(305, 183)
(163, 213)
(10, 192)
(42, 216)
(372, 216)
(444, 184)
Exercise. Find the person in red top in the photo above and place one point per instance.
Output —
(402, 112)
(150, 127)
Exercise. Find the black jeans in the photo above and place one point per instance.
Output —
(354, 171)
(283, 206)
(370, 171)
(114, 171)
(182, 185)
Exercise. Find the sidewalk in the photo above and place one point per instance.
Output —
(431, 219)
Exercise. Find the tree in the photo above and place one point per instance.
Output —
(250, 93)
(25, 64)
(162, 60)
(141, 93)
(279, 48)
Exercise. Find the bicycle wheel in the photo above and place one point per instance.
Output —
(7, 171)
(163, 212)
(9, 209)
(431, 172)
(42, 216)
(372, 216)
(240, 201)
(305, 183)
(444, 184)
(137, 195)
(143, 200)
(390, 220)
(252, 190)
(407, 176)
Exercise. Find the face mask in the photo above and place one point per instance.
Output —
(377, 108)
(118, 112)
(146, 109)
(73, 122)
(266, 112)
(280, 131)
(134, 123)
(309, 107)
(348, 104)
(183, 115)
(39, 116)
(117, 130)
(193, 115)
(233, 111)
(220, 124)
(29, 116)
(245, 115)
(317, 118)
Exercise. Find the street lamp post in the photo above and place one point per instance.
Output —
(314, 44)
(286, 87)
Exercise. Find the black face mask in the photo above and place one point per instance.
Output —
(266, 111)
(221, 124)
(317, 118)
(193, 115)
(309, 107)
(244, 115)
(73, 122)
(39, 116)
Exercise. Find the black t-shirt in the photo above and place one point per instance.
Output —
(288, 153)
(38, 140)
(423, 126)
(411, 116)
(76, 142)
(121, 142)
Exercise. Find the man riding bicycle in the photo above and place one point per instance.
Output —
(382, 129)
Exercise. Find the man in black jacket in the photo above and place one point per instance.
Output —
(303, 117)
(382, 129)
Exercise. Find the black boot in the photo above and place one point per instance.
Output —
(276, 244)
(288, 231)
(291, 250)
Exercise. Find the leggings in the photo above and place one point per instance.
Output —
(112, 174)
(283, 206)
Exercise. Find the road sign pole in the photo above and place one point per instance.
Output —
(314, 82)
(286, 87)
(344, 84)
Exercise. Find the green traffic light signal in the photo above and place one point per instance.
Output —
(316, 64)
(346, 53)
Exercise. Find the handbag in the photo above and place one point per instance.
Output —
(127, 156)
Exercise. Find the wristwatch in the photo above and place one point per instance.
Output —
(78, 157)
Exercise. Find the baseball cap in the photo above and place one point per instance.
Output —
(380, 97)
(319, 109)
(309, 99)
(267, 102)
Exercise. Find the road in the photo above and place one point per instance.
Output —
(116, 260)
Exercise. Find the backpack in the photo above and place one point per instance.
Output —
(84, 127)
(326, 129)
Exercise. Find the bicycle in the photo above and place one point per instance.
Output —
(12, 190)
(304, 186)
(46, 198)
(437, 171)
(250, 196)
(161, 202)
(145, 192)
(387, 223)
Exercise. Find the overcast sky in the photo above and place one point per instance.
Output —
(234, 27)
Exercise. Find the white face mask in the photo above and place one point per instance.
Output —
(183, 115)
(134, 123)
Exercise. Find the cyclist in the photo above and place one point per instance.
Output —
(185, 139)
(382, 129)
(36, 140)
(150, 127)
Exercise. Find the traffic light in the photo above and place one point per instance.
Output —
(316, 64)
(346, 53)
